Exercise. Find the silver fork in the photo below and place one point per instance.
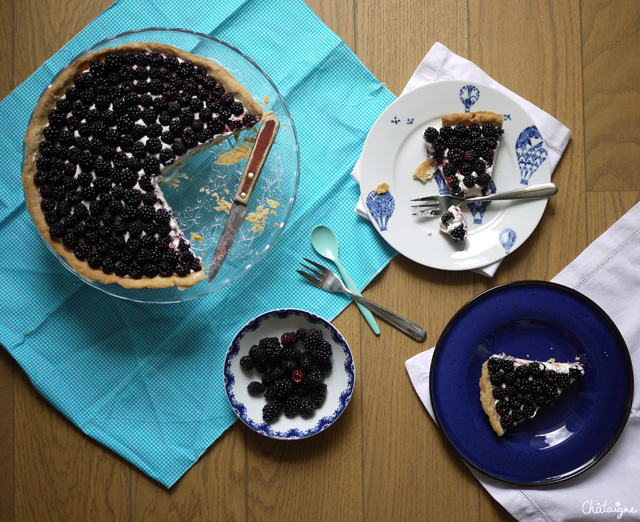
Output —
(330, 282)
(441, 203)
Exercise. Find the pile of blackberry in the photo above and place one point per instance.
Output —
(105, 143)
(520, 390)
(464, 152)
(293, 370)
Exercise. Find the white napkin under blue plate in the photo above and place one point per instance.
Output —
(608, 272)
(441, 64)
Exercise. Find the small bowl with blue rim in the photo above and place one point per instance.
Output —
(339, 379)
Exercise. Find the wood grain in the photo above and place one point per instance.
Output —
(385, 459)
(6, 362)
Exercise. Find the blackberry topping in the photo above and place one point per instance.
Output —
(430, 134)
(458, 233)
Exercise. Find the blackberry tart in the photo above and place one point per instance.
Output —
(512, 390)
(112, 126)
(463, 150)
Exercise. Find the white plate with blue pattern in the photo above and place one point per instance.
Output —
(394, 149)
(339, 380)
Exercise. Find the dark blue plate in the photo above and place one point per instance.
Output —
(533, 320)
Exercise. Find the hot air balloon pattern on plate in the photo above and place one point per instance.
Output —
(507, 238)
(469, 95)
(381, 207)
(530, 152)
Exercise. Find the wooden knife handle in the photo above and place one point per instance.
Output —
(266, 136)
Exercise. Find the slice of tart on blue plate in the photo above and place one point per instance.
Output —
(513, 390)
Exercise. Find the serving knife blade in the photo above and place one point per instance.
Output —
(266, 136)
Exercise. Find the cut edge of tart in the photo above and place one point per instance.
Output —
(510, 395)
(463, 150)
(190, 271)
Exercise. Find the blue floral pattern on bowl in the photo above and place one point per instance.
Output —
(299, 427)
(381, 207)
(530, 152)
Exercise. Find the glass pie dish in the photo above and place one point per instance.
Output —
(201, 191)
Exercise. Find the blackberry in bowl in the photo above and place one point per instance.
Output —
(289, 374)
(128, 170)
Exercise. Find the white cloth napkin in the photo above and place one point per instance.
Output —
(441, 64)
(608, 272)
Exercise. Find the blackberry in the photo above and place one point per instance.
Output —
(307, 408)
(324, 351)
(282, 387)
(499, 393)
(465, 169)
(288, 337)
(306, 361)
(574, 373)
(167, 137)
(318, 395)
(166, 156)
(257, 354)
(216, 125)
(248, 119)
(313, 379)
(290, 351)
(288, 365)
(325, 366)
(312, 342)
(458, 233)
(271, 411)
(483, 180)
(272, 348)
(455, 156)
(447, 217)
(469, 181)
(461, 131)
(292, 405)
(430, 134)
(256, 388)
(297, 376)
(490, 131)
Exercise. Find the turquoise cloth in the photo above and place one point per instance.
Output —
(147, 380)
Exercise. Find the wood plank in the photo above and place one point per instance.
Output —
(526, 66)
(405, 475)
(6, 362)
(213, 489)
(45, 26)
(60, 473)
(611, 35)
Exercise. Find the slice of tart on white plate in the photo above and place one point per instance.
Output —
(512, 390)
(462, 151)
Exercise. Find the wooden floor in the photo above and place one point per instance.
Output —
(385, 459)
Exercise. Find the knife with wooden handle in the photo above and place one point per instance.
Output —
(261, 148)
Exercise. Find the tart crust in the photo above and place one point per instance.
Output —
(488, 401)
(473, 118)
(39, 120)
